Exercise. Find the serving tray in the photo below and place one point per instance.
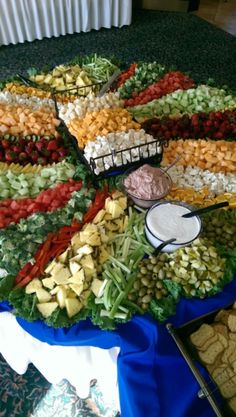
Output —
(208, 388)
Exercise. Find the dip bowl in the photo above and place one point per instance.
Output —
(164, 221)
(147, 202)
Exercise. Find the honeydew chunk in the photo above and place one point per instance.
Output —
(43, 296)
(77, 288)
(33, 286)
(73, 306)
(61, 277)
(46, 309)
(74, 267)
(48, 283)
(77, 278)
(61, 296)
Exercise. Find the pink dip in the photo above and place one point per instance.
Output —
(147, 182)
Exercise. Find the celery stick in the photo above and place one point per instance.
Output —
(119, 264)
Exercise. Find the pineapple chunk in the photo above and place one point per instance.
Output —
(50, 266)
(46, 309)
(61, 296)
(48, 283)
(63, 257)
(39, 78)
(48, 79)
(74, 267)
(114, 209)
(77, 278)
(77, 288)
(117, 194)
(112, 226)
(98, 287)
(73, 306)
(56, 268)
(87, 262)
(62, 276)
(33, 286)
(99, 216)
(94, 239)
(85, 250)
(90, 272)
(75, 239)
(103, 255)
(123, 202)
(43, 296)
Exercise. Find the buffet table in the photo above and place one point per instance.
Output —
(27, 20)
(148, 364)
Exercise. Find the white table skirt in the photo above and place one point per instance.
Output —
(78, 364)
(22, 20)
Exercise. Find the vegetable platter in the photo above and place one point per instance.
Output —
(69, 251)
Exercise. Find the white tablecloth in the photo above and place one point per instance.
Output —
(79, 365)
(22, 20)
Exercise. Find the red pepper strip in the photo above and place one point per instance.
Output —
(24, 281)
(24, 271)
(52, 247)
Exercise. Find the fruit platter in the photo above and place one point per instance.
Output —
(74, 243)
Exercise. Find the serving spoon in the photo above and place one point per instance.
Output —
(159, 248)
(203, 210)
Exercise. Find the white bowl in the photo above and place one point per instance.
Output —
(163, 223)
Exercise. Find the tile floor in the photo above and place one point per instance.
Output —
(221, 13)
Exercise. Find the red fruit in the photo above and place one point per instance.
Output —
(10, 156)
(16, 148)
(1, 155)
(5, 143)
(34, 156)
(52, 145)
(39, 146)
(22, 142)
(23, 156)
(54, 156)
(62, 152)
(29, 147)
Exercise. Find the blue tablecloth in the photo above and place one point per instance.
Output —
(154, 380)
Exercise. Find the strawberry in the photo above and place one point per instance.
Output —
(52, 145)
(55, 156)
(16, 149)
(23, 156)
(10, 156)
(5, 143)
(34, 156)
(39, 146)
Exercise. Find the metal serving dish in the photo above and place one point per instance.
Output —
(208, 388)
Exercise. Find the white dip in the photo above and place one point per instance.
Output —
(165, 221)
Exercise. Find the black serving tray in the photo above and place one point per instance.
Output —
(208, 388)
(160, 143)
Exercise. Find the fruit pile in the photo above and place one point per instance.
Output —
(24, 151)
(171, 81)
(194, 100)
(11, 211)
(214, 125)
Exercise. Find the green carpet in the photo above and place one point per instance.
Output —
(180, 39)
